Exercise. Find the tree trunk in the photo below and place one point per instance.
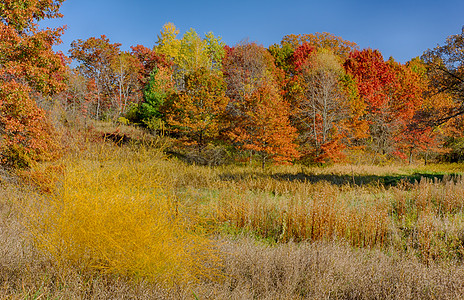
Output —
(200, 143)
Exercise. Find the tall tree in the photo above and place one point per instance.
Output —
(322, 111)
(126, 70)
(96, 57)
(263, 126)
(168, 44)
(258, 114)
(393, 94)
(215, 50)
(446, 73)
(407, 101)
(197, 112)
(375, 81)
(29, 70)
(159, 88)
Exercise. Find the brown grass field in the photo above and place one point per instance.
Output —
(129, 222)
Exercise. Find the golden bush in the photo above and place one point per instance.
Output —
(111, 213)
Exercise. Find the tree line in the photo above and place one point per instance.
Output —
(314, 98)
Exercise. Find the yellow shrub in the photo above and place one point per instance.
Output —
(110, 213)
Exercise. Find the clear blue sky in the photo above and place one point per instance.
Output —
(402, 29)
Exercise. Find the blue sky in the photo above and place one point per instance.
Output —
(402, 29)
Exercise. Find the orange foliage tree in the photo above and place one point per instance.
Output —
(29, 70)
(259, 117)
(408, 100)
(264, 126)
(445, 69)
(323, 40)
(198, 110)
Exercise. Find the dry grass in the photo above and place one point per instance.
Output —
(328, 270)
(423, 219)
(103, 219)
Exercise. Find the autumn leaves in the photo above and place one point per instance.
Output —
(29, 70)
(313, 97)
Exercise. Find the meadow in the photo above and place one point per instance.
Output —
(117, 219)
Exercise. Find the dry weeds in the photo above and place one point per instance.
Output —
(331, 233)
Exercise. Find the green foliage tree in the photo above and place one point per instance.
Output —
(215, 50)
(158, 89)
(283, 54)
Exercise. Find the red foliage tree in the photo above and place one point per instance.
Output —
(149, 60)
(393, 94)
(95, 57)
(29, 69)
(301, 55)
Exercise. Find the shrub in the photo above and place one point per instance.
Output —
(113, 215)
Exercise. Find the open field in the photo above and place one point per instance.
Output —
(127, 222)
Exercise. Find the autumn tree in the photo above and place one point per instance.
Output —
(322, 111)
(375, 80)
(189, 53)
(259, 116)
(126, 70)
(197, 112)
(149, 60)
(324, 40)
(407, 101)
(393, 94)
(246, 66)
(168, 44)
(189, 57)
(263, 125)
(436, 137)
(80, 94)
(446, 74)
(96, 57)
(29, 70)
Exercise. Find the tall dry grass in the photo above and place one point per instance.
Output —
(423, 218)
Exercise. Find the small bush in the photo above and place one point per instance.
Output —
(15, 157)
